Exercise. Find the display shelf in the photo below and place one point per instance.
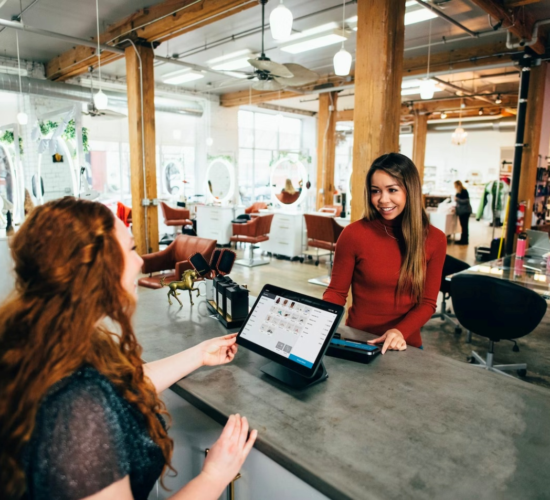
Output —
(541, 205)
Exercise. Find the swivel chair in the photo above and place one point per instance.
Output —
(451, 266)
(175, 217)
(322, 232)
(498, 310)
(253, 231)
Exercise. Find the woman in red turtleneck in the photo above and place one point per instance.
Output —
(392, 258)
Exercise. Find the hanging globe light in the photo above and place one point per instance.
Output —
(427, 89)
(280, 22)
(459, 136)
(209, 141)
(22, 118)
(101, 100)
(342, 62)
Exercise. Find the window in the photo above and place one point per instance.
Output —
(261, 137)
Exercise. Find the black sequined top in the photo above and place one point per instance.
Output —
(88, 436)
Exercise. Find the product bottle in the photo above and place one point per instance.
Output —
(521, 245)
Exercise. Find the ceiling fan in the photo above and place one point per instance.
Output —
(92, 110)
(270, 75)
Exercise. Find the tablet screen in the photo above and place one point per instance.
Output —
(290, 327)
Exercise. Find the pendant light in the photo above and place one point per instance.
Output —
(101, 100)
(427, 86)
(22, 117)
(459, 135)
(342, 59)
(280, 22)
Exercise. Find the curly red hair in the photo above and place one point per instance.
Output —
(68, 267)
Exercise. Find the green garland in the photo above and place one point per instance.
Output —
(8, 137)
(69, 134)
(228, 158)
(292, 158)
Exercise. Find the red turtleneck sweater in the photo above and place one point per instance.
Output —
(369, 259)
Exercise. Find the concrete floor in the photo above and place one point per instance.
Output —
(436, 335)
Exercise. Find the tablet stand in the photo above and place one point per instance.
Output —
(293, 379)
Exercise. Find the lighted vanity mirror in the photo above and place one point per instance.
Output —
(173, 178)
(287, 182)
(56, 170)
(11, 187)
(220, 180)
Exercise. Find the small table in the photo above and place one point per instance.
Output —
(533, 271)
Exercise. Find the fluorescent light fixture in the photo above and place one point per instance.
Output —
(410, 3)
(407, 84)
(417, 16)
(12, 70)
(413, 87)
(313, 31)
(183, 78)
(314, 42)
(236, 75)
(242, 62)
(228, 57)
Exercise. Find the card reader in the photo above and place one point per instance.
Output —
(352, 350)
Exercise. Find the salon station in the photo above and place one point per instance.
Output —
(233, 138)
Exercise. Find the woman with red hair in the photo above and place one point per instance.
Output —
(81, 415)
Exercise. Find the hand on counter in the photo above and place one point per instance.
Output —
(219, 350)
(393, 340)
(226, 457)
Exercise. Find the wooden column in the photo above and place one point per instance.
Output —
(141, 120)
(378, 71)
(419, 143)
(537, 136)
(326, 148)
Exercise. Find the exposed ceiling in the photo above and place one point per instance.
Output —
(241, 32)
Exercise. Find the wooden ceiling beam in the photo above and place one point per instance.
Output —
(157, 23)
(517, 18)
(467, 59)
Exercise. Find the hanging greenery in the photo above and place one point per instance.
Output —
(8, 137)
(228, 158)
(69, 134)
(290, 157)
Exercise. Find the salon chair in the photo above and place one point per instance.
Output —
(175, 217)
(451, 266)
(335, 210)
(174, 258)
(124, 213)
(498, 310)
(322, 232)
(254, 231)
(252, 209)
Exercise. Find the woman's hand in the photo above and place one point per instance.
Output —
(393, 340)
(226, 457)
(218, 351)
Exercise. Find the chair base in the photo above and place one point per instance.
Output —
(487, 364)
(251, 263)
(321, 280)
(447, 317)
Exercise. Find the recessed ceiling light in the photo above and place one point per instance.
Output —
(228, 57)
(314, 42)
(239, 63)
(183, 78)
(417, 16)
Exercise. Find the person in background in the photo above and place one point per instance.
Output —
(392, 258)
(81, 415)
(289, 188)
(463, 210)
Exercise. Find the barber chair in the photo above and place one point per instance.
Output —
(124, 213)
(252, 209)
(451, 266)
(322, 232)
(174, 258)
(254, 231)
(174, 217)
(335, 210)
(498, 310)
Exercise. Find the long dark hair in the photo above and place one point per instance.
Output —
(415, 220)
(68, 266)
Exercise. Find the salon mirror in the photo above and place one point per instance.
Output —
(173, 178)
(10, 187)
(56, 171)
(220, 180)
(287, 182)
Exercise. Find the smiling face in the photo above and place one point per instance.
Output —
(132, 261)
(387, 196)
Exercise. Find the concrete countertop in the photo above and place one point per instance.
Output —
(411, 424)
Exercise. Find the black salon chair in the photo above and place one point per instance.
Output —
(451, 266)
(498, 310)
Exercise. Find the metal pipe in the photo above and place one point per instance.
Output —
(534, 36)
(19, 16)
(518, 153)
(447, 18)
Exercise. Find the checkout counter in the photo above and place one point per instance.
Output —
(411, 424)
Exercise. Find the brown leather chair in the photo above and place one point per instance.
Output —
(175, 258)
(175, 216)
(335, 210)
(287, 198)
(254, 231)
(322, 232)
(256, 207)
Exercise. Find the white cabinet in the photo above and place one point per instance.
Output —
(287, 235)
(193, 432)
(215, 222)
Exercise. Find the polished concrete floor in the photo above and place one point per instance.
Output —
(437, 335)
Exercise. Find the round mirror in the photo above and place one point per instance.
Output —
(220, 180)
(173, 178)
(9, 185)
(288, 182)
(56, 171)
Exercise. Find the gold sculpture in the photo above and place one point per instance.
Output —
(187, 282)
